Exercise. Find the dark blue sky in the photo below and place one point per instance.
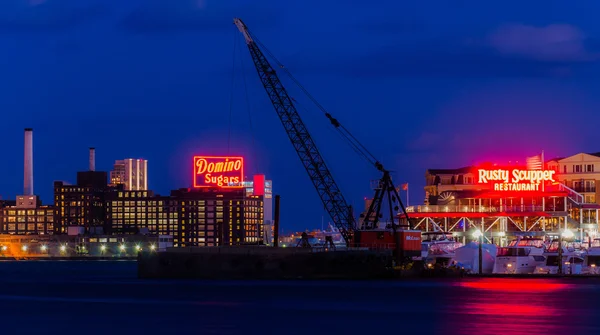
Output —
(435, 84)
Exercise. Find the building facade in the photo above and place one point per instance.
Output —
(194, 217)
(214, 217)
(132, 212)
(580, 172)
(27, 217)
(505, 201)
(82, 204)
(260, 186)
(132, 173)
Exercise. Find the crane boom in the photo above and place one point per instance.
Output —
(322, 179)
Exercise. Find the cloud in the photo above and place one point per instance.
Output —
(556, 42)
(462, 57)
(48, 15)
(166, 16)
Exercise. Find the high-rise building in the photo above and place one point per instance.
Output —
(259, 186)
(132, 173)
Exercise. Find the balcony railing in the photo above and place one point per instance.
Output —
(478, 209)
(584, 189)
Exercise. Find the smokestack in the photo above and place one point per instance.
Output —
(28, 163)
(92, 159)
(276, 223)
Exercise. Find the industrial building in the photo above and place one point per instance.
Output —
(221, 208)
(82, 204)
(132, 173)
(132, 211)
(27, 215)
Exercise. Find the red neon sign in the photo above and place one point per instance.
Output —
(515, 179)
(213, 171)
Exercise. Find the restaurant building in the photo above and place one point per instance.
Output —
(512, 200)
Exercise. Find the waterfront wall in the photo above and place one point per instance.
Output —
(264, 263)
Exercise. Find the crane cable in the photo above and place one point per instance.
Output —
(249, 112)
(350, 139)
(356, 145)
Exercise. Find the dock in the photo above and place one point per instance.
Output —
(265, 263)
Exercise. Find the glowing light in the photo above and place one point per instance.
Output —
(152, 247)
(477, 234)
(515, 179)
(63, 248)
(501, 234)
(567, 234)
(122, 247)
(44, 248)
(138, 248)
(24, 248)
(225, 172)
(593, 265)
(4, 248)
(103, 247)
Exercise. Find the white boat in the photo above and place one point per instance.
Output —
(467, 257)
(591, 262)
(438, 248)
(572, 259)
(522, 255)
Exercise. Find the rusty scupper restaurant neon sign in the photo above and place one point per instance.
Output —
(515, 179)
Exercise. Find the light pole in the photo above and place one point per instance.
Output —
(479, 236)
(566, 234)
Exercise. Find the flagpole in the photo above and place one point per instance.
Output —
(407, 195)
(543, 184)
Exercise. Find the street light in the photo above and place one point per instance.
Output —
(479, 235)
(567, 234)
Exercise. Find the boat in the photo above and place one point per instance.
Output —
(591, 259)
(572, 259)
(438, 247)
(522, 255)
(467, 257)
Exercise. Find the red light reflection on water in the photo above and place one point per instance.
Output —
(515, 285)
(505, 309)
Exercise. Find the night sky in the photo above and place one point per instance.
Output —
(423, 84)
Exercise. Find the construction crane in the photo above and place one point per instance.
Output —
(322, 179)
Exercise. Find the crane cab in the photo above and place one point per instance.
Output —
(409, 241)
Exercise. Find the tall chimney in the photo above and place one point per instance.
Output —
(28, 163)
(92, 159)
(276, 223)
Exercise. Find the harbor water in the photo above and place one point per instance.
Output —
(106, 297)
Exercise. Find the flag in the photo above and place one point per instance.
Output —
(534, 162)
(405, 187)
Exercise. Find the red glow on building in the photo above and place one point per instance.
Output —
(218, 171)
(259, 184)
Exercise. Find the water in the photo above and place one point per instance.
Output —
(105, 297)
